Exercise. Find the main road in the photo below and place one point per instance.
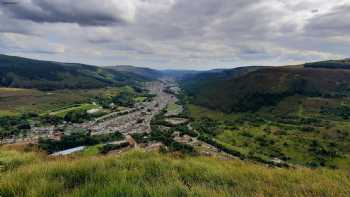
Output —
(138, 119)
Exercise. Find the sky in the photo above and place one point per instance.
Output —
(176, 34)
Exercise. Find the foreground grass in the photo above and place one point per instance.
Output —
(151, 174)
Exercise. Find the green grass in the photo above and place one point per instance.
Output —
(151, 174)
(173, 107)
(10, 159)
(4, 113)
(63, 112)
(91, 150)
(140, 99)
(198, 112)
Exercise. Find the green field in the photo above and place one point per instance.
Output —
(140, 99)
(139, 173)
(199, 112)
(63, 112)
(19, 101)
(173, 108)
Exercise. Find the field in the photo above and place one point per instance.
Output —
(199, 112)
(63, 112)
(173, 109)
(138, 173)
(295, 131)
(18, 101)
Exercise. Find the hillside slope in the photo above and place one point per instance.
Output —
(266, 86)
(152, 174)
(194, 82)
(297, 114)
(28, 73)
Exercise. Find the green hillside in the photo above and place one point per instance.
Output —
(28, 73)
(266, 86)
(151, 174)
(192, 83)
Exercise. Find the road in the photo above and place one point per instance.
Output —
(139, 119)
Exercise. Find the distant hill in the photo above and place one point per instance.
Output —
(28, 73)
(179, 74)
(141, 71)
(331, 64)
(248, 89)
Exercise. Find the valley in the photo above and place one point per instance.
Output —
(215, 120)
(174, 98)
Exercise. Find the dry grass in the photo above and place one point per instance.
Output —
(151, 174)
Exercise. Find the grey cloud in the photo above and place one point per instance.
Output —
(334, 23)
(87, 12)
(179, 33)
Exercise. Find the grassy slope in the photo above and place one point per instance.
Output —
(268, 135)
(152, 174)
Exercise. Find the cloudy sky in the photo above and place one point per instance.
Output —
(182, 34)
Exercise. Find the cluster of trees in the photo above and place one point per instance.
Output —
(77, 116)
(13, 126)
(110, 147)
(165, 136)
(167, 139)
(140, 137)
(296, 120)
(341, 111)
(322, 153)
(51, 120)
(125, 99)
(77, 139)
(207, 126)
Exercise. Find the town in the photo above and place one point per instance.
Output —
(129, 121)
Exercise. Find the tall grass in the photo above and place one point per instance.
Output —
(11, 159)
(151, 174)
